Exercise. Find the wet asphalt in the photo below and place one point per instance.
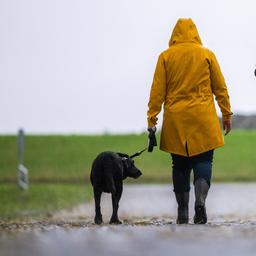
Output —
(148, 213)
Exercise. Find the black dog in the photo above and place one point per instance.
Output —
(109, 169)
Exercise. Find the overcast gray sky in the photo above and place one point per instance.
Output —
(80, 66)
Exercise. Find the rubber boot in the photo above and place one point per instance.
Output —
(182, 200)
(201, 191)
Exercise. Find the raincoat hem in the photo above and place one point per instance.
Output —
(192, 154)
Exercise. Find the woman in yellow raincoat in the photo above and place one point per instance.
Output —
(187, 76)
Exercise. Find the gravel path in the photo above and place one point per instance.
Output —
(148, 213)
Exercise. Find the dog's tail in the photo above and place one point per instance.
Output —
(110, 183)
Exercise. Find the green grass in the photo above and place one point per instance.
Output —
(40, 200)
(236, 161)
(69, 158)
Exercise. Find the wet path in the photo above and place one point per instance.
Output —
(226, 202)
(148, 213)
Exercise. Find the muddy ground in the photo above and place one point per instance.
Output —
(148, 213)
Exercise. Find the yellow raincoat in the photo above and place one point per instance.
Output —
(187, 76)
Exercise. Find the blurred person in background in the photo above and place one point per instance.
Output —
(186, 78)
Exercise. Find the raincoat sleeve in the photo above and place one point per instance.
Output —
(219, 88)
(157, 93)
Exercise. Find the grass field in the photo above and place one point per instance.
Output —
(69, 158)
(40, 200)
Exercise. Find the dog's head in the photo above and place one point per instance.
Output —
(130, 170)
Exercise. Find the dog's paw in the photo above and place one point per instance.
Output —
(98, 220)
(115, 221)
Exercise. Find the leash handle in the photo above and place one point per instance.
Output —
(151, 140)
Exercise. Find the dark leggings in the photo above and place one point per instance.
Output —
(182, 166)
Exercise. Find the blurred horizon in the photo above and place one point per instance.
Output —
(86, 67)
(239, 121)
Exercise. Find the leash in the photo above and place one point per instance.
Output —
(151, 144)
(138, 153)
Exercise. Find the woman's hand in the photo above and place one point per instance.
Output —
(152, 128)
(227, 126)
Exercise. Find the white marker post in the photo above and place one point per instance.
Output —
(22, 170)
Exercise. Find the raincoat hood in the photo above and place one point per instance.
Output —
(185, 31)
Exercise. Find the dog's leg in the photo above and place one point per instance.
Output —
(115, 203)
(98, 216)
